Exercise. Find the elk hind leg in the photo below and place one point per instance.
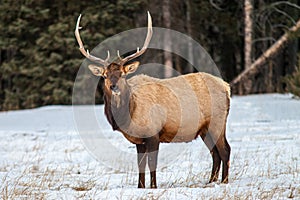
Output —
(224, 151)
(215, 157)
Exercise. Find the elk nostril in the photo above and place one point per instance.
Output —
(113, 87)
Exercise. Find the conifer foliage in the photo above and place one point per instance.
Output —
(39, 56)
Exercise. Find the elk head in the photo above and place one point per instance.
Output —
(114, 73)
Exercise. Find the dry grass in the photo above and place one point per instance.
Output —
(34, 183)
(43, 171)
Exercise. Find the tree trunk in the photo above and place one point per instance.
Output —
(189, 67)
(228, 59)
(167, 39)
(248, 32)
(242, 83)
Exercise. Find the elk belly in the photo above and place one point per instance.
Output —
(148, 124)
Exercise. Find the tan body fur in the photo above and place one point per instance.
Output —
(178, 109)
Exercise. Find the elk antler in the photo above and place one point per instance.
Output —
(86, 53)
(146, 43)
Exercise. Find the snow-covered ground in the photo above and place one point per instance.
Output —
(42, 156)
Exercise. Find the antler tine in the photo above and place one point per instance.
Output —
(86, 53)
(118, 53)
(146, 43)
(107, 58)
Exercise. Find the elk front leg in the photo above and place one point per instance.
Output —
(142, 156)
(152, 145)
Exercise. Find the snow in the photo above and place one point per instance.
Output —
(44, 156)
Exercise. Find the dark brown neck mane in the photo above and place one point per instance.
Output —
(118, 113)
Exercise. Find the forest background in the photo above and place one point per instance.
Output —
(39, 56)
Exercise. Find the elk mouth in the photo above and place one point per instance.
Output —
(115, 90)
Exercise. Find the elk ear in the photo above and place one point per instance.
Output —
(96, 70)
(130, 68)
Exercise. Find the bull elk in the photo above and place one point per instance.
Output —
(148, 111)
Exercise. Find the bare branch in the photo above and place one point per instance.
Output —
(287, 3)
(264, 39)
(285, 14)
(269, 53)
(215, 5)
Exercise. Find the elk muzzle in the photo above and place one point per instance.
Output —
(115, 90)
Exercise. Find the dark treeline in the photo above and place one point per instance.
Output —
(39, 56)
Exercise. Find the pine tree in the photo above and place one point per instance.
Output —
(39, 54)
